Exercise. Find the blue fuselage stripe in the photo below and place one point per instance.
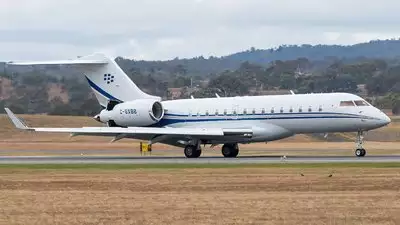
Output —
(186, 119)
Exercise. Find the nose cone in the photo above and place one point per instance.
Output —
(385, 119)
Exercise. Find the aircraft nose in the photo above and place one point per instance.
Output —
(385, 119)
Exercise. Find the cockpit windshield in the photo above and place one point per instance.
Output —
(354, 103)
(361, 103)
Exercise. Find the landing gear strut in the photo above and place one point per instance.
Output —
(192, 151)
(360, 151)
(230, 150)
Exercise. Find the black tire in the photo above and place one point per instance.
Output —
(197, 154)
(191, 152)
(230, 150)
(360, 152)
(364, 152)
(235, 153)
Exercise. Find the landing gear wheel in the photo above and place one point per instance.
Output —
(191, 151)
(360, 152)
(230, 150)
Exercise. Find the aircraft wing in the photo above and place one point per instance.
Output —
(131, 131)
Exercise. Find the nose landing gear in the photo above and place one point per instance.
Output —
(360, 151)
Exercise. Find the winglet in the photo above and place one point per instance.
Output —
(16, 121)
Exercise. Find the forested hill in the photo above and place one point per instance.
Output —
(201, 66)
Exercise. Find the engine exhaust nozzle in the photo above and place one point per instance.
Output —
(97, 117)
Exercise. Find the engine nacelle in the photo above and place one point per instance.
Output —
(141, 112)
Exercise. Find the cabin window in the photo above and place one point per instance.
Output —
(244, 112)
(281, 110)
(234, 112)
(320, 108)
(346, 103)
(254, 111)
(291, 109)
(225, 112)
(300, 109)
(309, 109)
(216, 112)
(272, 110)
(262, 111)
(207, 114)
(361, 103)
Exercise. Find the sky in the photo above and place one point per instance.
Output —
(161, 30)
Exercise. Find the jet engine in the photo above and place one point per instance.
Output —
(141, 112)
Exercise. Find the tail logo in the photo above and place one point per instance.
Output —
(108, 78)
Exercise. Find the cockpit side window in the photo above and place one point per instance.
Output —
(346, 103)
(361, 103)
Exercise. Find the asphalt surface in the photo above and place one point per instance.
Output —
(201, 160)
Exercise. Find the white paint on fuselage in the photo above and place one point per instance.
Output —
(301, 113)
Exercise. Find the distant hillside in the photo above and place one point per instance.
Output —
(382, 49)
(372, 49)
(200, 66)
(2, 67)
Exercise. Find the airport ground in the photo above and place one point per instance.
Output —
(337, 193)
(240, 194)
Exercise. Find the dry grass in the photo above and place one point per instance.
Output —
(201, 196)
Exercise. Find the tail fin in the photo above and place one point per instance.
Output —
(107, 80)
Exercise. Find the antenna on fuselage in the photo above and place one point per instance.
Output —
(217, 95)
(291, 92)
(191, 97)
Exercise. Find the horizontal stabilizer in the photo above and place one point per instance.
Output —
(61, 62)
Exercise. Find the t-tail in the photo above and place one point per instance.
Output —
(107, 80)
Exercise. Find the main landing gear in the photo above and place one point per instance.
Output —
(230, 150)
(192, 151)
(360, 151)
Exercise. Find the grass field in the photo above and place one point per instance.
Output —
(263, 194)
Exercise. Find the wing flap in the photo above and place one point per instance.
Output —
(238, 131)
(135, 130)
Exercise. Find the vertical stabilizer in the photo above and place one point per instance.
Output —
(107, 80)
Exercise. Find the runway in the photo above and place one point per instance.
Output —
(183, 160)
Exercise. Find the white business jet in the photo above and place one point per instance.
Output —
(191, 123)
